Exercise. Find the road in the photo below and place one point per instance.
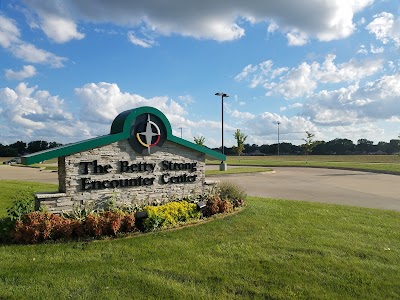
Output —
(27, 174)
(308, 184)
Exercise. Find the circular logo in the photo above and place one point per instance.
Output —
(147, 134)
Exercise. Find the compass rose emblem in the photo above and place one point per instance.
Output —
(148, 135)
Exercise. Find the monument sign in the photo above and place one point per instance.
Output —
(140, 162)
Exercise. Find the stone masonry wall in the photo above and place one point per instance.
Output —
(146, 186)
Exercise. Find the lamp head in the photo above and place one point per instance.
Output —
(221, 94)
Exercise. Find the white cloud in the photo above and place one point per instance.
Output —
(297, 38)
(258, 73)
(292, 106)
(26, 72)
(304, 79)
(144, 43)
(376, 50)
(245, 72)
(352, 70)
(265, 125)
(30, 53)
(362, 50)
(242, 115)
(102, 102)
(9, 32)
(272, 27)
(376, 100)
(385, 28)
(59, 29)
(10, 40)
(296, 83)
(186, 99)
(36, 114)
(324, 20)
(29, 112)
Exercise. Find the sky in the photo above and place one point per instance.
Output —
(329, 67)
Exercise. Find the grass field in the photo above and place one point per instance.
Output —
(273, 249)
(12, 190)
(377, 163)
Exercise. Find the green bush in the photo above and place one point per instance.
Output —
(20, 207)
(169, 214)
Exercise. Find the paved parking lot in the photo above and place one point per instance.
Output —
(323, 185)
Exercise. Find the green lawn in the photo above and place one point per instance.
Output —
(380, 163)
(273, 249)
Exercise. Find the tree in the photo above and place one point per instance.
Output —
(37, 146)
(8, 151)
(199, 140)
(240, 139)
(340, 146)
(54, 145)
(19, 146)
(310, 144)
(364, 146)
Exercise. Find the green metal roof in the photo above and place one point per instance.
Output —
(120, 130)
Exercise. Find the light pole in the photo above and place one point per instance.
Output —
(278, 135)
(223, 165)
(181, 130)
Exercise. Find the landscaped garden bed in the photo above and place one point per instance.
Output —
(24, 225)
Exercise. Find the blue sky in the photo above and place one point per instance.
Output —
(327, 67)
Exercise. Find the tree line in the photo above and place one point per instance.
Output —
(337, 146)
(20, 148)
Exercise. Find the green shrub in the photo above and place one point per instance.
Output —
(170, 214)
(232, 192)
(81, 211)
(20, 207)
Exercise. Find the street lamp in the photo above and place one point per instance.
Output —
(278, 135)
(181, 130)
(223, 165)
